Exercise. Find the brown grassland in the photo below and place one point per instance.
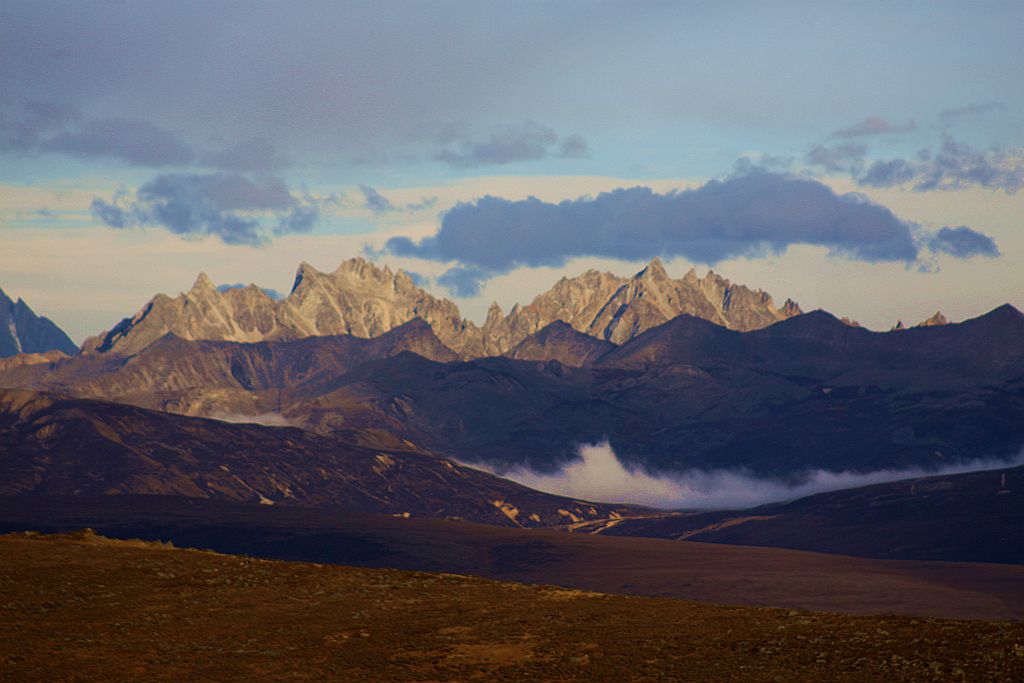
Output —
(81, 607)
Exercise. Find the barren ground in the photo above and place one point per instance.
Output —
(81, 607)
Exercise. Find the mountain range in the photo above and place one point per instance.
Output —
(807, 393)
(361, 393)
(364, 300)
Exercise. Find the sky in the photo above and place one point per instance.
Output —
(865, 158)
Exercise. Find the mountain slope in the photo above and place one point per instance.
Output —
(221, 378)
(972, 516)
(559, 341)
(55, 446)
(807, 393)
(363, 300)
(22, 331)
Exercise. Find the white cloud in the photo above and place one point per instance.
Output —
(599, 475)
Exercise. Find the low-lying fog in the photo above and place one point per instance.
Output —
(599, 475)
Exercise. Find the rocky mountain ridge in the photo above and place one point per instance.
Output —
(361, 299)
(22, 331)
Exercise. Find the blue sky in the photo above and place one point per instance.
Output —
(142, 142)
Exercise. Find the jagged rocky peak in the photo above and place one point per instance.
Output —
(22, 331)
(204, 284)
(302, 273)
(653, 271)
(934, 320)
(366, 300)
(898, 326)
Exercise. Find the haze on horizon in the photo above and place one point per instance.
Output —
(862, 158)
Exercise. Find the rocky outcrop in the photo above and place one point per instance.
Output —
(936, 319)
(364, 300)
(22, 331)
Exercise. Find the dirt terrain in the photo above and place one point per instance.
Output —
(707, 572)
(80, 607)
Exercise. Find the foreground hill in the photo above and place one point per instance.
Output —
(57, 446)
(85, 608)
(973, 516)
(640, 566)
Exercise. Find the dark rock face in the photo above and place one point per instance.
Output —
(22, 331)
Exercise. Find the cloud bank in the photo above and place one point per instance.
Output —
(36, 127)
(599, 475)
(511, 143)
(955, 166)
(874, 125)
(378, 203)
(229, 206)
(753, 214)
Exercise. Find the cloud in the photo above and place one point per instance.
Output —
(599, 475)
(962, 242)
(463, 281)
(257, 155)
(139, 143)
(748, 215)
(949, 116)
(229, 206)
(40, 127)
(375, 201)
(573, 147)
(874, 125)
(378, 203)
(844, 158)
(510, 143)
(955, 166)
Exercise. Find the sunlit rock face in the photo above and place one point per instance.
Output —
(361, 299)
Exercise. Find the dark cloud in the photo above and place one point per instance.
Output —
(748, 215)
(258, 155)
(111, 214)
(949, 116)
(229, 206)
(573, 147)
(954, 167)
(844, 158)
(378, 203)
(962, 242)
(375, 201)
(51, 127)
(23, 128)
(139, 143)
(509, 144)
(889, 173)
(40, 127)
(463, 281)
(874, 125)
